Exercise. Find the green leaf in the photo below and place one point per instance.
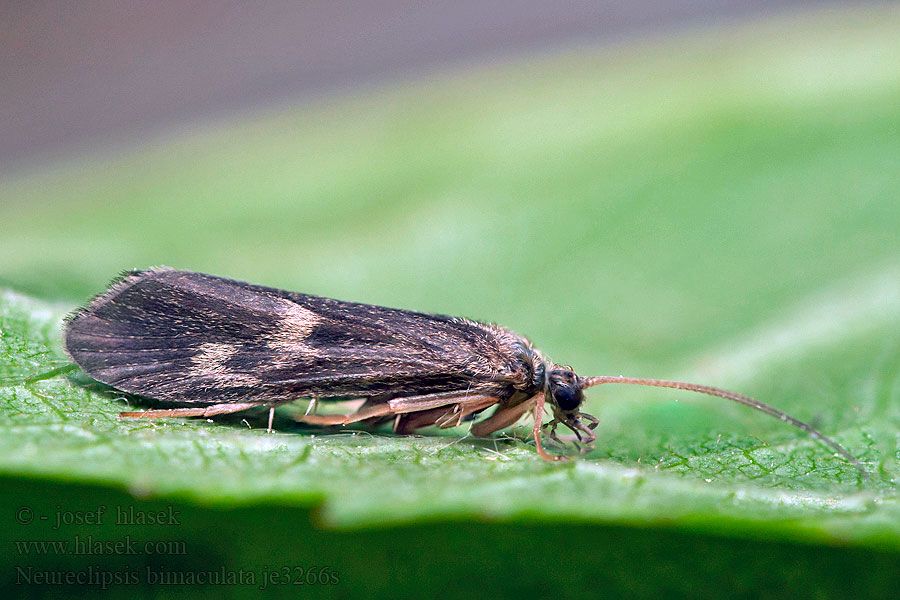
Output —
(719, 208)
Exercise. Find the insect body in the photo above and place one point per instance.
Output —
(205, 345)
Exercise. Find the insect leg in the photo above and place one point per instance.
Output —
(538, 421)
(502, 418)
(380, 410)
(464, 409)
(443, 417)
(449, 417)
(553, 435)
(201, 411)
(311, 407)
(406, 423)
(398, 406)
(417, 403)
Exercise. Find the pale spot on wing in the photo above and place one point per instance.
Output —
(210, 362)
(213, 354)
(295, 324)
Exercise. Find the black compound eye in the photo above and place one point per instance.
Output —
(567, 397)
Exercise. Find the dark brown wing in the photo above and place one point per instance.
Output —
(186, 337)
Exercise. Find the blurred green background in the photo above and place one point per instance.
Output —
(721, 205)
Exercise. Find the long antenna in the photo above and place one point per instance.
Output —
(587, 382)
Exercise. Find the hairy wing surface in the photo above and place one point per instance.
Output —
(187, 337)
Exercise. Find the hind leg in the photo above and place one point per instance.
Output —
(429, 404)
(200, 411)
